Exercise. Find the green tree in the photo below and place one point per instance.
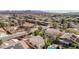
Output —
(1, 42)
(35, 33)
(62, 21)
(74, 45)
(55, 25)
(49, 41)
(3, 25)
(65, 26)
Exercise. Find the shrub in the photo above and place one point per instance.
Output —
(65, 25)
(72, 30)
(40, 28)
(41, 33)
(73, 45)
(55, 25)
(2, 24)
(49, 41)
(36, 33)
(1, 42)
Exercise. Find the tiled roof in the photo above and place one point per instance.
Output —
(52, 31)
(8, 43)
(67, 35)
(37, 40)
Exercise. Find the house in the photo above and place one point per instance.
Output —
(66, 43)
(67, 39)
(2, 31)
(14, 44)
(71, 25)
(52, 33)
(8, 43)
(68, 36)
(27, 24)
(37, 41)
(77, 39)
(17, 46)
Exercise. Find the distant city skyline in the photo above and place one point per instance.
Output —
(50, 11)
(62, 11)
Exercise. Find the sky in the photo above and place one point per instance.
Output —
(55, 5)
